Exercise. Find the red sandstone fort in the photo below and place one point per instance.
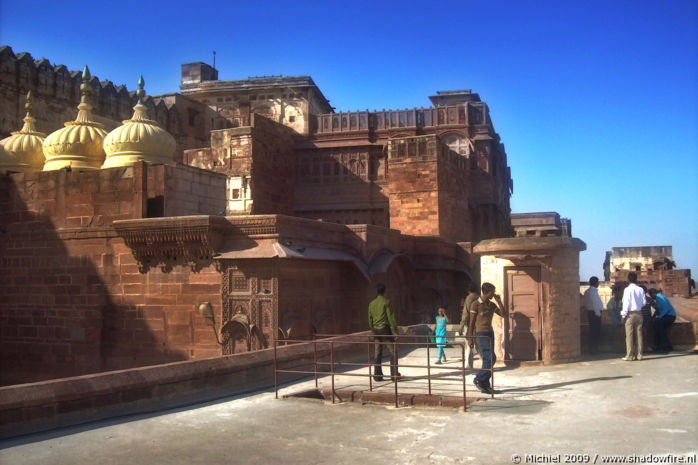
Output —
(256, 196)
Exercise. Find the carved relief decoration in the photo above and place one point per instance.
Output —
(156, 243)
(249, 295)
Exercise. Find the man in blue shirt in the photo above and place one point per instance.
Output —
(666, 315)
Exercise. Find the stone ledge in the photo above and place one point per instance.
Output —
(528, 244)
(32, 407)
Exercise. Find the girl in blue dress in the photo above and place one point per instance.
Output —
(440, 333)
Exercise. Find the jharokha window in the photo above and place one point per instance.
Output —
(238, 282)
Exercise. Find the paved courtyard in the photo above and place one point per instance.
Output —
(599, 406)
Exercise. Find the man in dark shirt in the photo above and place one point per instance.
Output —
(381, 320)
(481, 312)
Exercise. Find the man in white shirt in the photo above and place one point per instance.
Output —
(593, 306)
(633, 301)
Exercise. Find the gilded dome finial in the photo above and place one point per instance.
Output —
(85, 90)
(139, 138)
(28, 105)
(29, 127)
(86, 76)
(140, 92)
(140, 111)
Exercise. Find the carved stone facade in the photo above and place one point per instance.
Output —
(285, 223)
(430, 171)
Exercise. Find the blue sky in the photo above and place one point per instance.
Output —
(595, 101)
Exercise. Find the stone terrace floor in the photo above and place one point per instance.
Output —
(598, 406)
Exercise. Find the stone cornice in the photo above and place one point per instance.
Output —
(528, 244)
(165, 242)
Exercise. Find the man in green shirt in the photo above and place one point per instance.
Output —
(381, 320)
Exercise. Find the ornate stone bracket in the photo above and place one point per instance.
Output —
(165, 242)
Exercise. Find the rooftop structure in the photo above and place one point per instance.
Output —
(541, 224)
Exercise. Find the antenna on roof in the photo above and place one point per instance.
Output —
(214, 59)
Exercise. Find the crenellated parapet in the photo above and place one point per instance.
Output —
(56, 91)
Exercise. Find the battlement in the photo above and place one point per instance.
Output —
(56, 94)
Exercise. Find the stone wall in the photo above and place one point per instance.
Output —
(429, 187)
(261, 184)
(414, 185)
(273, 178)
(454, 195)
(39, 406)
(73, 299)
(321, 297)
(191, 191)
(342, 184)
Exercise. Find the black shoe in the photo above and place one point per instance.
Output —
(396, 377)
(378, 379)
(480, 387)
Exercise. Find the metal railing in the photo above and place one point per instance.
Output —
(331, 341)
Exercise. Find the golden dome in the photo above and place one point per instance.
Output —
(24, 151)
(139, 138)
(5, 161)
(79, 143)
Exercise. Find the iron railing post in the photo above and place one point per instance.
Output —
(492, 367)
(315, 359)
(332, 367)
(394, 365)
(428, 363)
(276, 375)
(370, 374)
(462, 350)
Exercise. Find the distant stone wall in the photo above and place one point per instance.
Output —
(629, 258)
(671, 282)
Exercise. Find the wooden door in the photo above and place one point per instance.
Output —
(524, 324)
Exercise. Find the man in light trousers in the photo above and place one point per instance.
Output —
(633, 301)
